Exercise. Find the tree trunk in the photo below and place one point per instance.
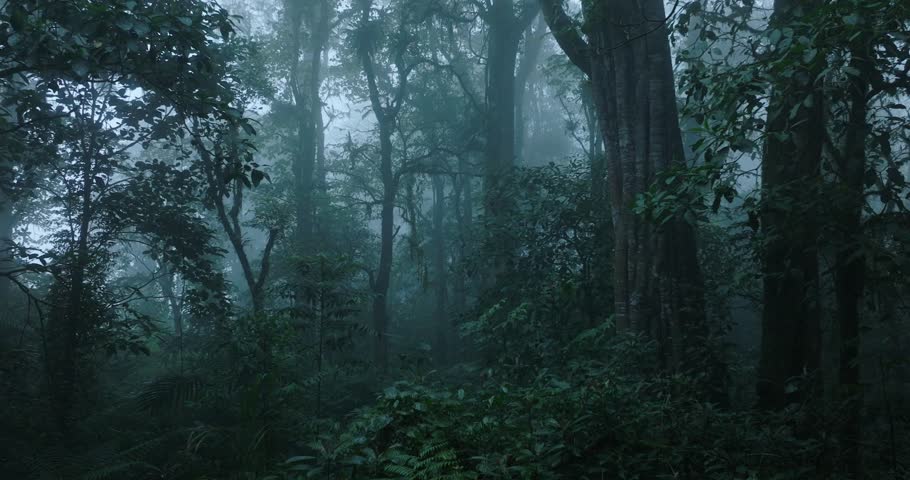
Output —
(308, 108)
(7, 222)
(464, 209)
(850, 261)
(440, 271)
(65, 327)
(174, 302)
(657, 281)
(791, 169)
(387, 238)
(595, 146)
(230, 219)
(530, 57)
(656, 275)
(504, 37)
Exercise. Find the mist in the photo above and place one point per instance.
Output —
(454, 239)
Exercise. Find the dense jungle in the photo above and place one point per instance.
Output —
(454, 239)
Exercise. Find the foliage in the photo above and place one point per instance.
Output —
(555, 280)
(588, 420)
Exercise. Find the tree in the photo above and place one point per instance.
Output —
(386, 110)
(225, 179)
(505, 33)
(657, 282)
(305, 67)
(791, 170)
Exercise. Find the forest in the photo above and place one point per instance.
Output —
(454, 239)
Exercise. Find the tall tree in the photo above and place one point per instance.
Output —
(309, 24)
(506, 26)
(626, 56)
(386, 109)
(791, 173)
(440, 272)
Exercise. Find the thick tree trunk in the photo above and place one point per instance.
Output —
(505, 31)
(656, 275)
(657, 279)
(791, 169)
(500, 146)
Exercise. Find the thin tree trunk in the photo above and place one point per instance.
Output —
(7, 223)
(65, 335)
(595, 146)
(534, 40)
(175, 303)
(850, 262)
(440, 271)
(386, 119)
(231, 219)
(464, 207)
(387, 234)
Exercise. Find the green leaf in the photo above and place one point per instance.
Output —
(809, 55)
(300, 458)
(124, 23)
(141, 28)
(18, 18)
(775, 36)
(258, 176)
(80, 68)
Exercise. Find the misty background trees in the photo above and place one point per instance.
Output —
(427, 239)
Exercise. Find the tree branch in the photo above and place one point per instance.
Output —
(567, 36)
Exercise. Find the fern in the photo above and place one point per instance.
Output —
(435, 461)
(171, 393)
